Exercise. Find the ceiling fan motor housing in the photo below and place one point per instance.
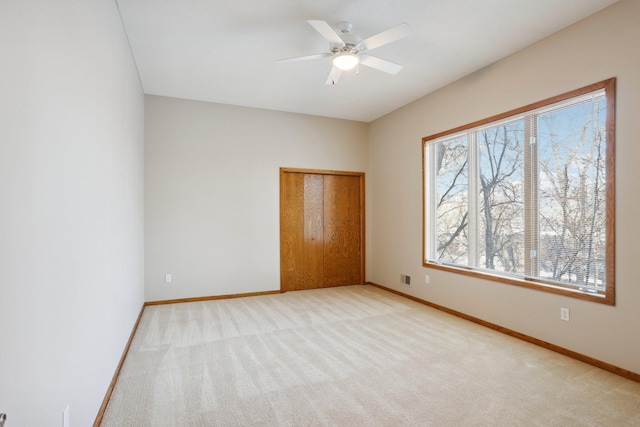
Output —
(348, 48)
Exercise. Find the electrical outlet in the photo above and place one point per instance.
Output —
(167, 278)
(564, 314)
(426, 279)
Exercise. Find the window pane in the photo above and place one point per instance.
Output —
(501, 197)
(572, 149)
(451, 200)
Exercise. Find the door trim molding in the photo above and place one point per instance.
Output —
(321, 172)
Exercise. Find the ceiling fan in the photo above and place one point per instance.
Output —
(347, 52)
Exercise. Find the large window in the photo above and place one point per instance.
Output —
(527, 197)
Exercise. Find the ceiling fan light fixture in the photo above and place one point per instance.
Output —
(346, 61)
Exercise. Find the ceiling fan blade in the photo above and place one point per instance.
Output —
(385, 37)
(326, 31)
(304, 58)
(380, 64)
(334, 76)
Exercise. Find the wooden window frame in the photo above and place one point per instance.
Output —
(608, 297)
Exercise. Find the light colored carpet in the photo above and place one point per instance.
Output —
(350, 356)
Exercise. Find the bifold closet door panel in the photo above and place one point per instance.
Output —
(292, 217)
(313, 261)
(342, 227)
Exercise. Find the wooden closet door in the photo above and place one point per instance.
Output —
(342, 230)
(312, 252)
(321, 227)
(291, 231)
(301, 231)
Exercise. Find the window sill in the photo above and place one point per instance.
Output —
(607, 298)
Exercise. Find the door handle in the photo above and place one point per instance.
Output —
(3, 417)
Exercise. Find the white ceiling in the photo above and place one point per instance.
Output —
(226, 51)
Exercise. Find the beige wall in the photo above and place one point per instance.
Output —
(71, 206)
(212, 191)
(601, 46)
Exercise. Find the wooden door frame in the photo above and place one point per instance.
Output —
(361, 176)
